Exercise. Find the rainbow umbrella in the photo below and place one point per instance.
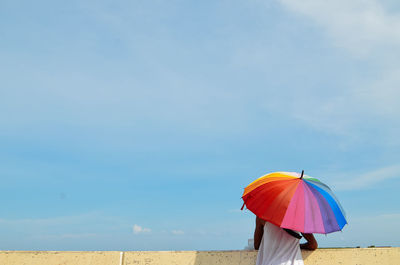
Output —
(295, 201)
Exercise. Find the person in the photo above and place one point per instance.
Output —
(278, 246)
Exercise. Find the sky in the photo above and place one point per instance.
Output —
(135, 125)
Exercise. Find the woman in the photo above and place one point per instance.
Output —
(278, 246)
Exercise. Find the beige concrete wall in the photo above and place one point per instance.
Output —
(59, 258)
(349, 256)
(190, 258)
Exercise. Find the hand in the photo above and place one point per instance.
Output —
(311, 243)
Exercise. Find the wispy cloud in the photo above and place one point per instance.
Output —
(65, 236)
(64, 226)
(382, 231)
(366, 179)
(358, 26)
(368, 30)
(177, 232)
(383, 94)
(137, 229)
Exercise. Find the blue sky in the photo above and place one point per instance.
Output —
(135, 125)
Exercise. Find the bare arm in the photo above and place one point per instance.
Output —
(311, 243)
(258, 233)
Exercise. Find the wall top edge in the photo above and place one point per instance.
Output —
(181, 251)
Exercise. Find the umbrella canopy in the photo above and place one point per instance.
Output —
(295, 201)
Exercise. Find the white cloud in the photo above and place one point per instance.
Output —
(357, 25)
(367, 179)
(177, 232)
(137, 229)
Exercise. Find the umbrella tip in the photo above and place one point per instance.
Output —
(302, 173)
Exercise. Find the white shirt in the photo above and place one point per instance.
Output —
(278, 247)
